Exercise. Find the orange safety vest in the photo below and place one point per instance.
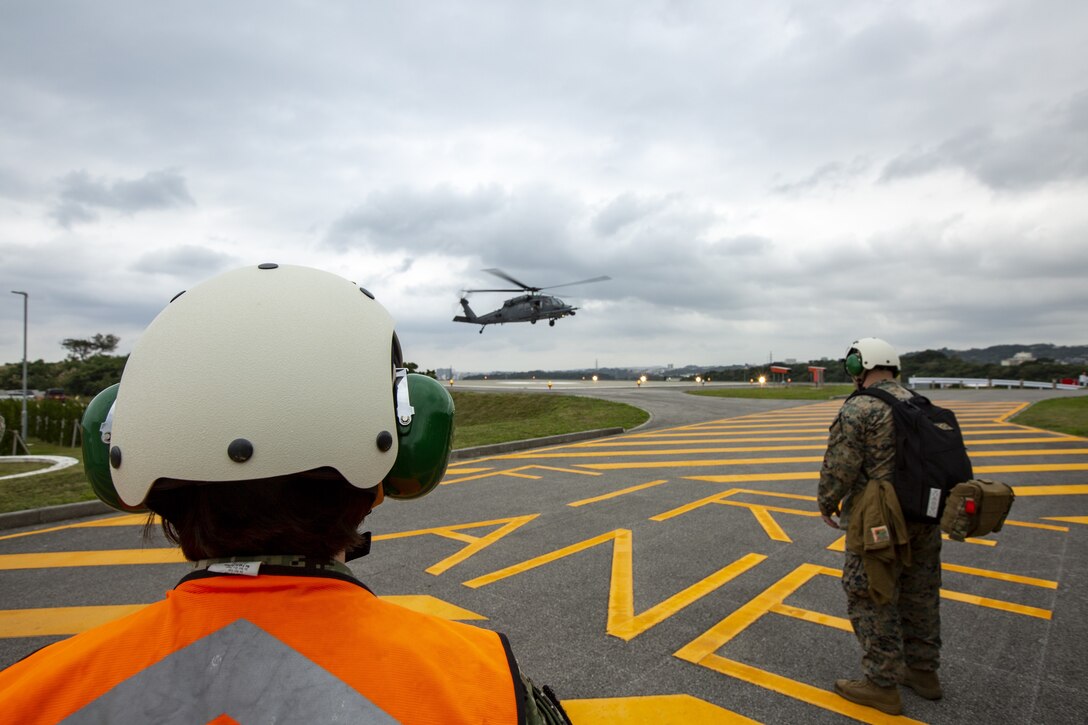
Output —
(287, 647)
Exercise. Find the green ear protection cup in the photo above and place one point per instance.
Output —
(853, 365)
(424, 443)
(423, 452)
(96, 450)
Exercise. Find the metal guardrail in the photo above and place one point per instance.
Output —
(989, 383)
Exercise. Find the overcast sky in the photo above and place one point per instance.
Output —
(758, 179)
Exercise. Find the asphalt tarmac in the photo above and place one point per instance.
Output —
(678, 573)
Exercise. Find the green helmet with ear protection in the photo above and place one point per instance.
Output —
(97, 426)
(868, 353)
(267, 371)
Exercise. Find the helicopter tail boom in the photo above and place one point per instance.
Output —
(469, 315)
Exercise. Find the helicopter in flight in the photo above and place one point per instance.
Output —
(529, 307)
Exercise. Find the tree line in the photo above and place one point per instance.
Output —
(89, 369)
(927, 363)
(86, 371)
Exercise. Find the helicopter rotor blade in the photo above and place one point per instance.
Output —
(602, 278)
(494, 290)
(508, 278)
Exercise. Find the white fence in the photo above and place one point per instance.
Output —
(988, 383)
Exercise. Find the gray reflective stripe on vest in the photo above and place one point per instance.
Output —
(241, 671)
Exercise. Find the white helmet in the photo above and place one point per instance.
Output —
(868, 353)
(265, 371)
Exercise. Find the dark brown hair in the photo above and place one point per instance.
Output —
(315, 515)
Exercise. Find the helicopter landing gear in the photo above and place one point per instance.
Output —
(481, 330)
(551, 323)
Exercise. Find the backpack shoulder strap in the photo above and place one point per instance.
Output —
(877, 393)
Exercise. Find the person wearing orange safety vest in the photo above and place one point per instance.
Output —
(264, 481)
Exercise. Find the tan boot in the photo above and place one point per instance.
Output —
(868, 693)
(924, 682)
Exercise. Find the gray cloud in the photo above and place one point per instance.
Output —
(431, 218)
(1051, 149)
(81, 195)
(833, 174)
(719, 160)
(187, 262)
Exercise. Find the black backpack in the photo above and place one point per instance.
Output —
(930, 456)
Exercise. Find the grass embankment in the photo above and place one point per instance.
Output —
(67, 485)
(778, 392)
(1062, 415)
(482, 418)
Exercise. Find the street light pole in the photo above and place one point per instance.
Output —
(26, 303)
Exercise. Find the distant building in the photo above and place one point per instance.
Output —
(1018, 359)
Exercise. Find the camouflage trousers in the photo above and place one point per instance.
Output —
(906, 630)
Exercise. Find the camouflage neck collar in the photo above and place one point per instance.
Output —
(251, 564)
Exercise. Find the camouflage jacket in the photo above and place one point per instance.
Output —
(860, 448)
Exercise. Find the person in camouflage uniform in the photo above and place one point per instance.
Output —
(901, 639)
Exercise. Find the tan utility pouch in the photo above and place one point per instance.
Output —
(976, 508)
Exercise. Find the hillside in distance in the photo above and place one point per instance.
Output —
(993, 355)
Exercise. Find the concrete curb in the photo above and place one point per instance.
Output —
(495, 449)
(49, 514)
(64, 512)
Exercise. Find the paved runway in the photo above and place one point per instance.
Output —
(675, 574)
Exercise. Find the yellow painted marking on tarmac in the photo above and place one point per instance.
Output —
(476, 544)
(621, 492)
(62, 621)
(517, 472)
(702, 650)
(622, 621)
(770, 526)
(723, 436)
(624, 624)
(543, 559)
(1034, 525)
(1012, 412)
(745, 616)
(1039, 468)
(691, 452)
(707, 462)
(838, 544)
(1031, 452)
(1002, 576)
(775, 509)
(817, 696)
(1000, 426)
(973, 540)
(754, 424)
(1010, 441)
(713, 439)
(707, 439)
(426, 604)
(763, 515)
(110, 557)
(656, 709)
(705, 501)
(56, 621)
(120, 520)
(1056, 490)
(454, 469)
(1067, 519)
(808, 615)
(755, 477)
(721, 497)
(996, 604)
